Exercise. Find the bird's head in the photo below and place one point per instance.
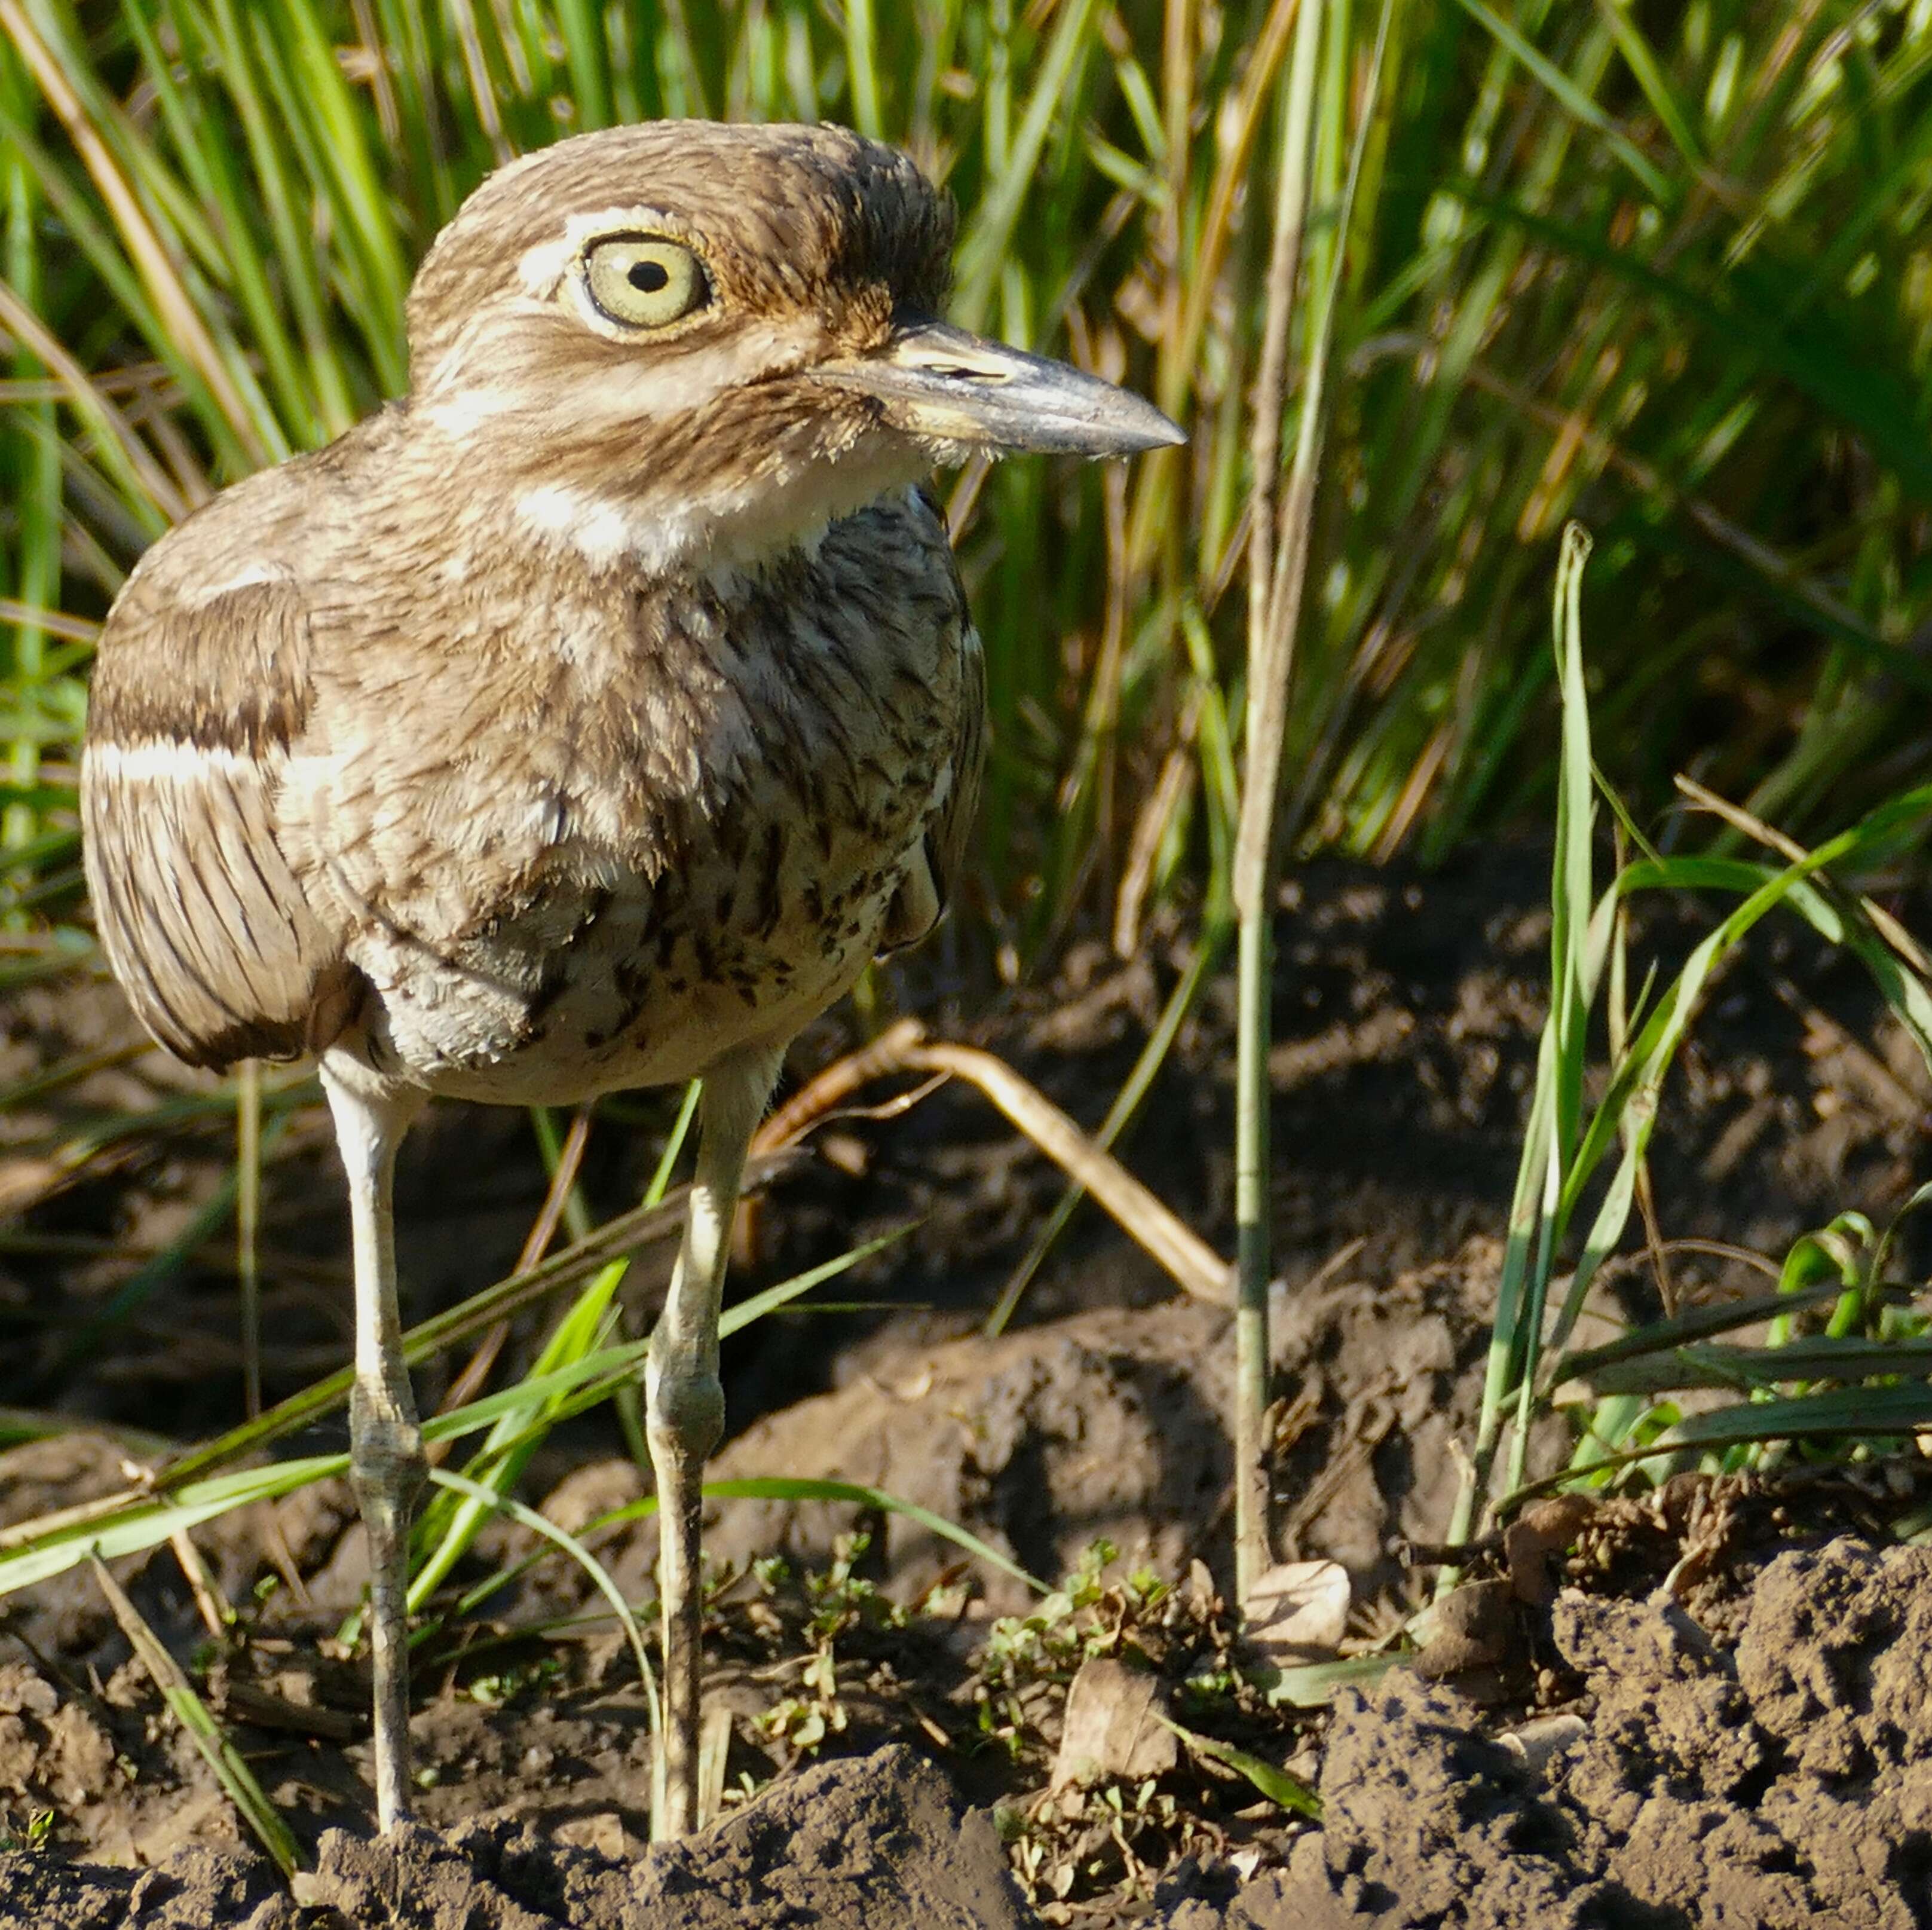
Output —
(682, 342)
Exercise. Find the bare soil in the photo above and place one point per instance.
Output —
(1734, 1670)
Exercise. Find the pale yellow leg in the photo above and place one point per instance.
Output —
(386, 1456)
(684, 1408)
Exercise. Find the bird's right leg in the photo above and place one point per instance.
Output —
(684, 1408)
(386, 1456)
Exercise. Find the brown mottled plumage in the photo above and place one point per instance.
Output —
(585, 719)
(529, 890)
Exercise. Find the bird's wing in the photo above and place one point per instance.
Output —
(925, 894)
(196, 707)
(950, 838)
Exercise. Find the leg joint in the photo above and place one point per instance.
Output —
(684, 1410)
(386, 1459)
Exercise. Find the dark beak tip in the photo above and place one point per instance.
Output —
(1147, 427)
(1147, 442)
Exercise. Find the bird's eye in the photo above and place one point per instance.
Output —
(644, 280)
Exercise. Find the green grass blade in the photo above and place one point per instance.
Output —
(1697, 1323)
(1284, 1791)
(790, 1488)
(1312, 1684)
(131, 1524)
(447, 1531)
(1743, 1368)
(1574, 100)
(983, 249)
(487, 1499)
(1854, 1413)
(208, 1736)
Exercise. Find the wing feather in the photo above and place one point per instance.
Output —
(951, 838)
(922, 899)
(195, 711)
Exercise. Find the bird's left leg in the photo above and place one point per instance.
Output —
(684, 1406)
(386, 1456)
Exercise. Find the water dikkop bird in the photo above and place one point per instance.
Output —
(585, 719)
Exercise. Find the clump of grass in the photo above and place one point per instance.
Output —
(1863, 1379)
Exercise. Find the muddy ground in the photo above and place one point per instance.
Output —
(1748, 1746)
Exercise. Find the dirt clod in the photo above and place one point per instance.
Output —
(1790, 1783)
(869, 1841)
(1104, 1425)
(196, 1889)
(1786, 1785)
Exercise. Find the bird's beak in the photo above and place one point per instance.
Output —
(943, 384)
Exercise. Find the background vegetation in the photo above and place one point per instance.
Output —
(1658, 266)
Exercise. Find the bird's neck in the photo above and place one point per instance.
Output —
(679, 510)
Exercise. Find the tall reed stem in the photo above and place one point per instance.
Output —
(1278, 549)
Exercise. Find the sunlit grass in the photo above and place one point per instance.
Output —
(1676, 284)
(1582, 1168)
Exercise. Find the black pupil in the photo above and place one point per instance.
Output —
(648, 277)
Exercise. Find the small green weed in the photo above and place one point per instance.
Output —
(1051, 1644)
(841, 1599)
(538, 1677)
(839, 1602)
(1112, 1838)
(34, 1837)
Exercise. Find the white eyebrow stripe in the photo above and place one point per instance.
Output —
(540, 269)
(630, 394)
